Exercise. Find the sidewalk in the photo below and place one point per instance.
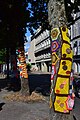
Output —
(26, 111)
(13, 110)
(39, 72)
(23, 111)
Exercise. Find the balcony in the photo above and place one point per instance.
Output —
(43, 57)
(43, 45)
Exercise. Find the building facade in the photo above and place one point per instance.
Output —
(41, 50)
(31, 55)
(75, 42)
(53, 16)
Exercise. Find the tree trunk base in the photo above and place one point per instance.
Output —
(60, 116)
(24, 86)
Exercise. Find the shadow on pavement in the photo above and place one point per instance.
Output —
(3, 83)
(40, 83)
(37, 82)
(1, 104)
(11, 84)
(74, 117)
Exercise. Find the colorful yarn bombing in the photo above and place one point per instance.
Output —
(62, 83)
(54, 48)
(22, 64)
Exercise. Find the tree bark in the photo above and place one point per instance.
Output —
(7, 60)
(60, 116)
(23, 73)
(24, 86)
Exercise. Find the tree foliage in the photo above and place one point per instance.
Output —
(2, 56)
(16, 15)
(38, 14)
(13, 18)
(71, 7)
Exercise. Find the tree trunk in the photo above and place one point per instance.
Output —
(7, 60)
(23, 72)
(57, 19)
(60, 116)
(24, 86)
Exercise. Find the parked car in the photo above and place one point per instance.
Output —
(76, 85)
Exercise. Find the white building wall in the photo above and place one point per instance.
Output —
(39, 51)
(31, 50)
(75, 43)
(42, 43)
(75, 67)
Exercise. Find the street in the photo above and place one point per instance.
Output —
(25, 111)
(13, 110)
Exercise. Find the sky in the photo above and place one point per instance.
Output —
(28, 34)
(27, 44)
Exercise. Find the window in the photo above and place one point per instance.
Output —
(75, 44)
(79, 28)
